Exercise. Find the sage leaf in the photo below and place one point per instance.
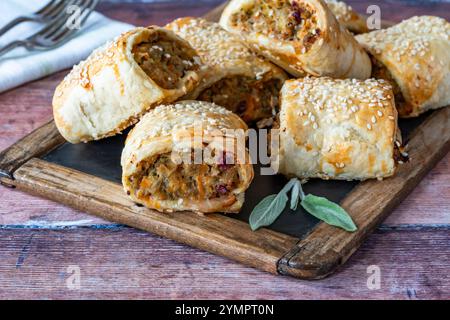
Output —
(270, 208)
(328, 211)
(296, 195)
(267, 211)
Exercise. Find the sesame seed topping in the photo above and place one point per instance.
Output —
(326, 99)
(411, 43)
(217, 47)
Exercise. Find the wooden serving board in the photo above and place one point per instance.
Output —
(87, 177)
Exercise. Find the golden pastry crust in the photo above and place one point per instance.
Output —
(301, 36)
(415, 55)
(110, 91)
(168, 129)
(234, 76)
(338, 129)
(346, 16)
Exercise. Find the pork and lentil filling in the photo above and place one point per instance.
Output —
(164, 60)
(379, 71)
(251, 99)
(162, 179)
(287, 21)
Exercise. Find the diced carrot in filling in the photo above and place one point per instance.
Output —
(162, 179)
(165, 61)
(251, 99)
(379, 71)
(280, 18)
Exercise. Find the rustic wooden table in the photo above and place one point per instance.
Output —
(42, 242)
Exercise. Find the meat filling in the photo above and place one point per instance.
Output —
(287, 21)
(251, 99)
(379, 71)
(162, 179)
(164, 60)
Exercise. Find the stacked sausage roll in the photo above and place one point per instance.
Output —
(338, 129)
(347, 16)
(191, 155)
(234, 77)
(119, 82)
(185, 157)
(414, 57)
(301, 36)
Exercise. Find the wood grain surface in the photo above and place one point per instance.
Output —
(123, 263)
(215, 232)
(40, 239)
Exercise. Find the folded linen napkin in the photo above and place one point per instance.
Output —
(20, 66)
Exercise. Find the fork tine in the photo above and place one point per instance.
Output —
(84, 4)
(55, 10)
(46, 7)
(41, 13)
(61, 25)
(86, 12)
(58, 22)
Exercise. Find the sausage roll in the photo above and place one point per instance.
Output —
(301, 36)
(234, 78)
(122, 80)
(347, 17)
(414, 57)
(160, 163)
(338, 129)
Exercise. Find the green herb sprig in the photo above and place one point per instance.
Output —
(270, 208)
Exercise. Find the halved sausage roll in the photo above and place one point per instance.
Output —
(122, 80)
(301, 36)
(338, 129)
(234, 77)
(414, 57)
(186, 157)
(347, 17)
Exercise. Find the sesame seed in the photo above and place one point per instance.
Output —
(369, 126)
(216, 46)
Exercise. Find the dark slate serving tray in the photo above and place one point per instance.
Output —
(102, 159)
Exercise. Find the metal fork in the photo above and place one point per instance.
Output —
(47, 13)
(56, 32)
